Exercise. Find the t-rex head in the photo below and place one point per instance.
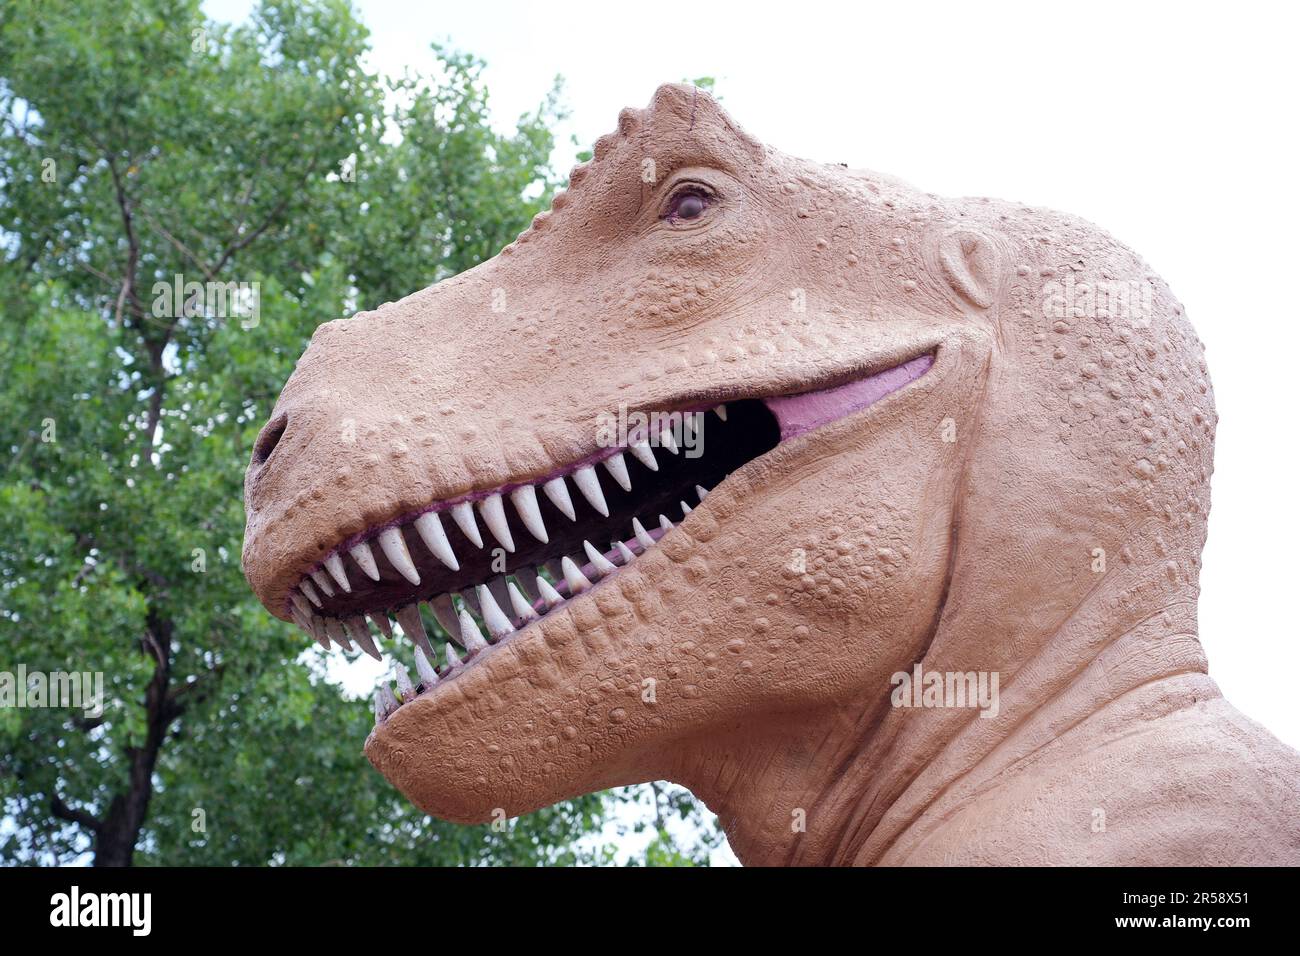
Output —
(965, 433)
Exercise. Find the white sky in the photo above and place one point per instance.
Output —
(1172, 126)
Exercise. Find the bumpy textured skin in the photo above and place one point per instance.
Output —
(1112, 744)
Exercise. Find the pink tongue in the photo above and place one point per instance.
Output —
(797, 414)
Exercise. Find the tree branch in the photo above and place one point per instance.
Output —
(180, 246)
(73, 815)
(272, 216)
(128, 225)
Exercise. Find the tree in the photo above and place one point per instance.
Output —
(141, 143)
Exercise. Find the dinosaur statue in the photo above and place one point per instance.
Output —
(727, 450)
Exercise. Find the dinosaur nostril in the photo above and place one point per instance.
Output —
(269, 438)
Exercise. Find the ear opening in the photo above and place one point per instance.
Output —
(971, 265)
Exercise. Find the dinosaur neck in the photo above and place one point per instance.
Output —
(862, 782)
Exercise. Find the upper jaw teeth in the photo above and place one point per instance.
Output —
(588, 483)
(334, 564)
(429, 528)
(525, 501)
(365, 559)
(498, 607)
(394, 547)
(617, 468)
(494, 516)
(643, 453)
(322, 582)
(463, 515)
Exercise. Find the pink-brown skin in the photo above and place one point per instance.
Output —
(954, 523)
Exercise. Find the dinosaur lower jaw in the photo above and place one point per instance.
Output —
(561, 535)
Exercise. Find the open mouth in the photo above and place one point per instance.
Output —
(486, 565)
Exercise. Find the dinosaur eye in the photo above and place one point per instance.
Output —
(688, 204)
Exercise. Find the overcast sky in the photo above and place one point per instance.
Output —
(1170, 125)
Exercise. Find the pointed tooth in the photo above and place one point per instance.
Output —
(365, 559)
(722, 411)
(701, 491)
(381, 707)
(380, 620)
(413, 627)
(453, 659)
(558, 492)
(643, 537)
(643, 453)
(305, 587)
(498, 624)
(589, 484)
(573, 577)
(360, 633)
(519, 604)
(393, 545)
(525, 501)
(686, 509)
(616, 465)
(402, 678)
(391, 703)
(318, 631)
(667, 440)
(334, 628)
(494, 516)
(301, 604)
(334, 565)
(445, 613)
(323, 582)
(626, 553)
(548, 593)
(429, 527)
(322, 638)
(424, 670)
(471, 638)
(463, 515)
(665, 523)
(527, 576)
(599, 563)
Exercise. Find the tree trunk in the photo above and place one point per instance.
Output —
(119, 831)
